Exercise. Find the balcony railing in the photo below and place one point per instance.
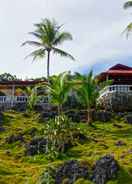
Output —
(20, 99)
(116, 88)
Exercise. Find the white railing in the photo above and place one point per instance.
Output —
(20, 99)
(116, 88)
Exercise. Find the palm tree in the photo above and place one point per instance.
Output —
(59, 89)
(128, 29)
(48, 36)
(87, 93)
(31, 93)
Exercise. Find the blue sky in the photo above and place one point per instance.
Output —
(96, 27)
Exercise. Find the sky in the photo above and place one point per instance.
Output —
(96, 26)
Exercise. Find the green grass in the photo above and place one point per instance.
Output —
(16, 168)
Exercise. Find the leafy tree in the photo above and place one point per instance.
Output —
(48, 36)
(8, 77)
(128, 29)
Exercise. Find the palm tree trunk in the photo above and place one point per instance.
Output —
(59, 110)
(48, 65)
(89, 119)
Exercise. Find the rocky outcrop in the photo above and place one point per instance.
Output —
(105, 169)
(71, 171)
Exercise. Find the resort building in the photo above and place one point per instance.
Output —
(11, 95)
(118, 95)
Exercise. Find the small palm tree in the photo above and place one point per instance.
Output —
(59, 89)
(31, 93)
(128, 29)
(87, 93)
(48, 36)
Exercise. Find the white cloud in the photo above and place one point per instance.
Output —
(96, 27)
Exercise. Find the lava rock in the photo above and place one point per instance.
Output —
(36, 146)
(20, 107)
(103, 116)
(72, 170)
(1, 118)
(2, 129)
(105, 169)
(128, 119)
(38, 108)
(79, 136)
(74, 116)
(14, 138)
(120, 143)
(46, 116)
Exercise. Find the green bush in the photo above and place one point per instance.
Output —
(59, 133)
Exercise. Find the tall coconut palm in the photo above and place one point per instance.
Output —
(128, 29)
(49, 36)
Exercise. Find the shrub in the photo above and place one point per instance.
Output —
(59, 134)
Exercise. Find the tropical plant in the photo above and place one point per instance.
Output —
(46, 177)
(59, 89)
(128, 29)
(87, 93)
(48, 36)
(59, 134)
(8, 77)
(32, 97)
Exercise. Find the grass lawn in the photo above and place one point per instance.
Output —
(16, 168)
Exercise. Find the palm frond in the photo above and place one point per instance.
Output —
(64, 36)
(37, 54)
(128, 4)
(37, 35)
(32, 43)
(62, 53)
(128, 30)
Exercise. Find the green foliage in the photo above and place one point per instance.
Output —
(87, 92)
(31, 93)
(128, 29)
(86, 88)
(46, 178)
(59, 89)
(59, 132)
(127, 4)
(8, 77)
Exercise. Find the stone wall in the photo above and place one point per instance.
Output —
(116, 101)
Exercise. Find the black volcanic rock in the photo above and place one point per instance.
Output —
(105, 169)
(72, 170)
(36, 146)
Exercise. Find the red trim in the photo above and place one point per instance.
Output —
(33, 82)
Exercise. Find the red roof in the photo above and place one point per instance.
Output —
(117, 70)
(120, 67)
